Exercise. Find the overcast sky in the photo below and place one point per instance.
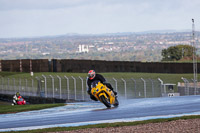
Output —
(28, 18)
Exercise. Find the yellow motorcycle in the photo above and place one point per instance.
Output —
(104, 94)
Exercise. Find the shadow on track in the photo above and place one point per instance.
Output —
(105, 109)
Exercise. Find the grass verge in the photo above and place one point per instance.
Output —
(167, 78)
(118, 124)
(5, 109)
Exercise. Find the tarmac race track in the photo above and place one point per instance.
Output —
(84, 113)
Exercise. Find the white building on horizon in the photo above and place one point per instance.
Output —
(83, 49)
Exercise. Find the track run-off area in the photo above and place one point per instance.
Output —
(86, 113)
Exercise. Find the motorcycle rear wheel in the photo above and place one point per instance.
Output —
(105, 101)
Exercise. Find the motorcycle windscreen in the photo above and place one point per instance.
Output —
(21, 99)
(94, 83)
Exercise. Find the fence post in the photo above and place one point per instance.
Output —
(74, 86)
(0, 66)
(20, 83)
(2, 81)
(186, 86)
(26, 87)
(8, 87)
(115, 84)
(14, 88)
(67, 86)
(124, 87)
(22, 87)
(45, 85)
(145, 89)
(82, 87)
(32, 84)
(38, 92)
(195, 86)
(52, 80)
(2, 84)
(161, 85)
(60, 86)
(134, 86)
(152, 86)
(29, 87)
(86, 86)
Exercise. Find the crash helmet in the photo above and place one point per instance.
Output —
(18, 94)
(91, 74)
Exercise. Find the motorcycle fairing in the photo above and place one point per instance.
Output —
(100, 89)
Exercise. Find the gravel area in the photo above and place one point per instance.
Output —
(178, 126)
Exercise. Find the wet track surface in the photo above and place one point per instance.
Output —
(95, 112)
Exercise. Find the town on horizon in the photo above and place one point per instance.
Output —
(143, 46)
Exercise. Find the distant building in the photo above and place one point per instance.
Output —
(83, 49)
(47, 53)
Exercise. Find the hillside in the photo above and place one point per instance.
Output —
(117, 47)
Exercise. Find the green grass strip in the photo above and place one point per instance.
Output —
(118, 124)
(5, 109)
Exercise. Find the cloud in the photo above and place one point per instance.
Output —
(51, 17)
(40, 4)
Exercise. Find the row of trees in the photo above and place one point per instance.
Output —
(178, 52)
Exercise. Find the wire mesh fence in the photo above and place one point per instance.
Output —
(75, 87)
(63, 87)
(189, 87)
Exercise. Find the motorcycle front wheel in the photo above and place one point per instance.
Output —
(105, 101)
(116, 102)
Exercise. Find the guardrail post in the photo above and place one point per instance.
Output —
(60, 86)
(115, 84)
(67, 86)
(124, 87)
(45, 85)
(52, 80)
(134, 86)
(145, 89)
(82, 87)
(74, 86)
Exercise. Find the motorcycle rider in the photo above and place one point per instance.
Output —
(15, 98)
(92, 76)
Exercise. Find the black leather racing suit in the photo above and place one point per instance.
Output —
(102, 80)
